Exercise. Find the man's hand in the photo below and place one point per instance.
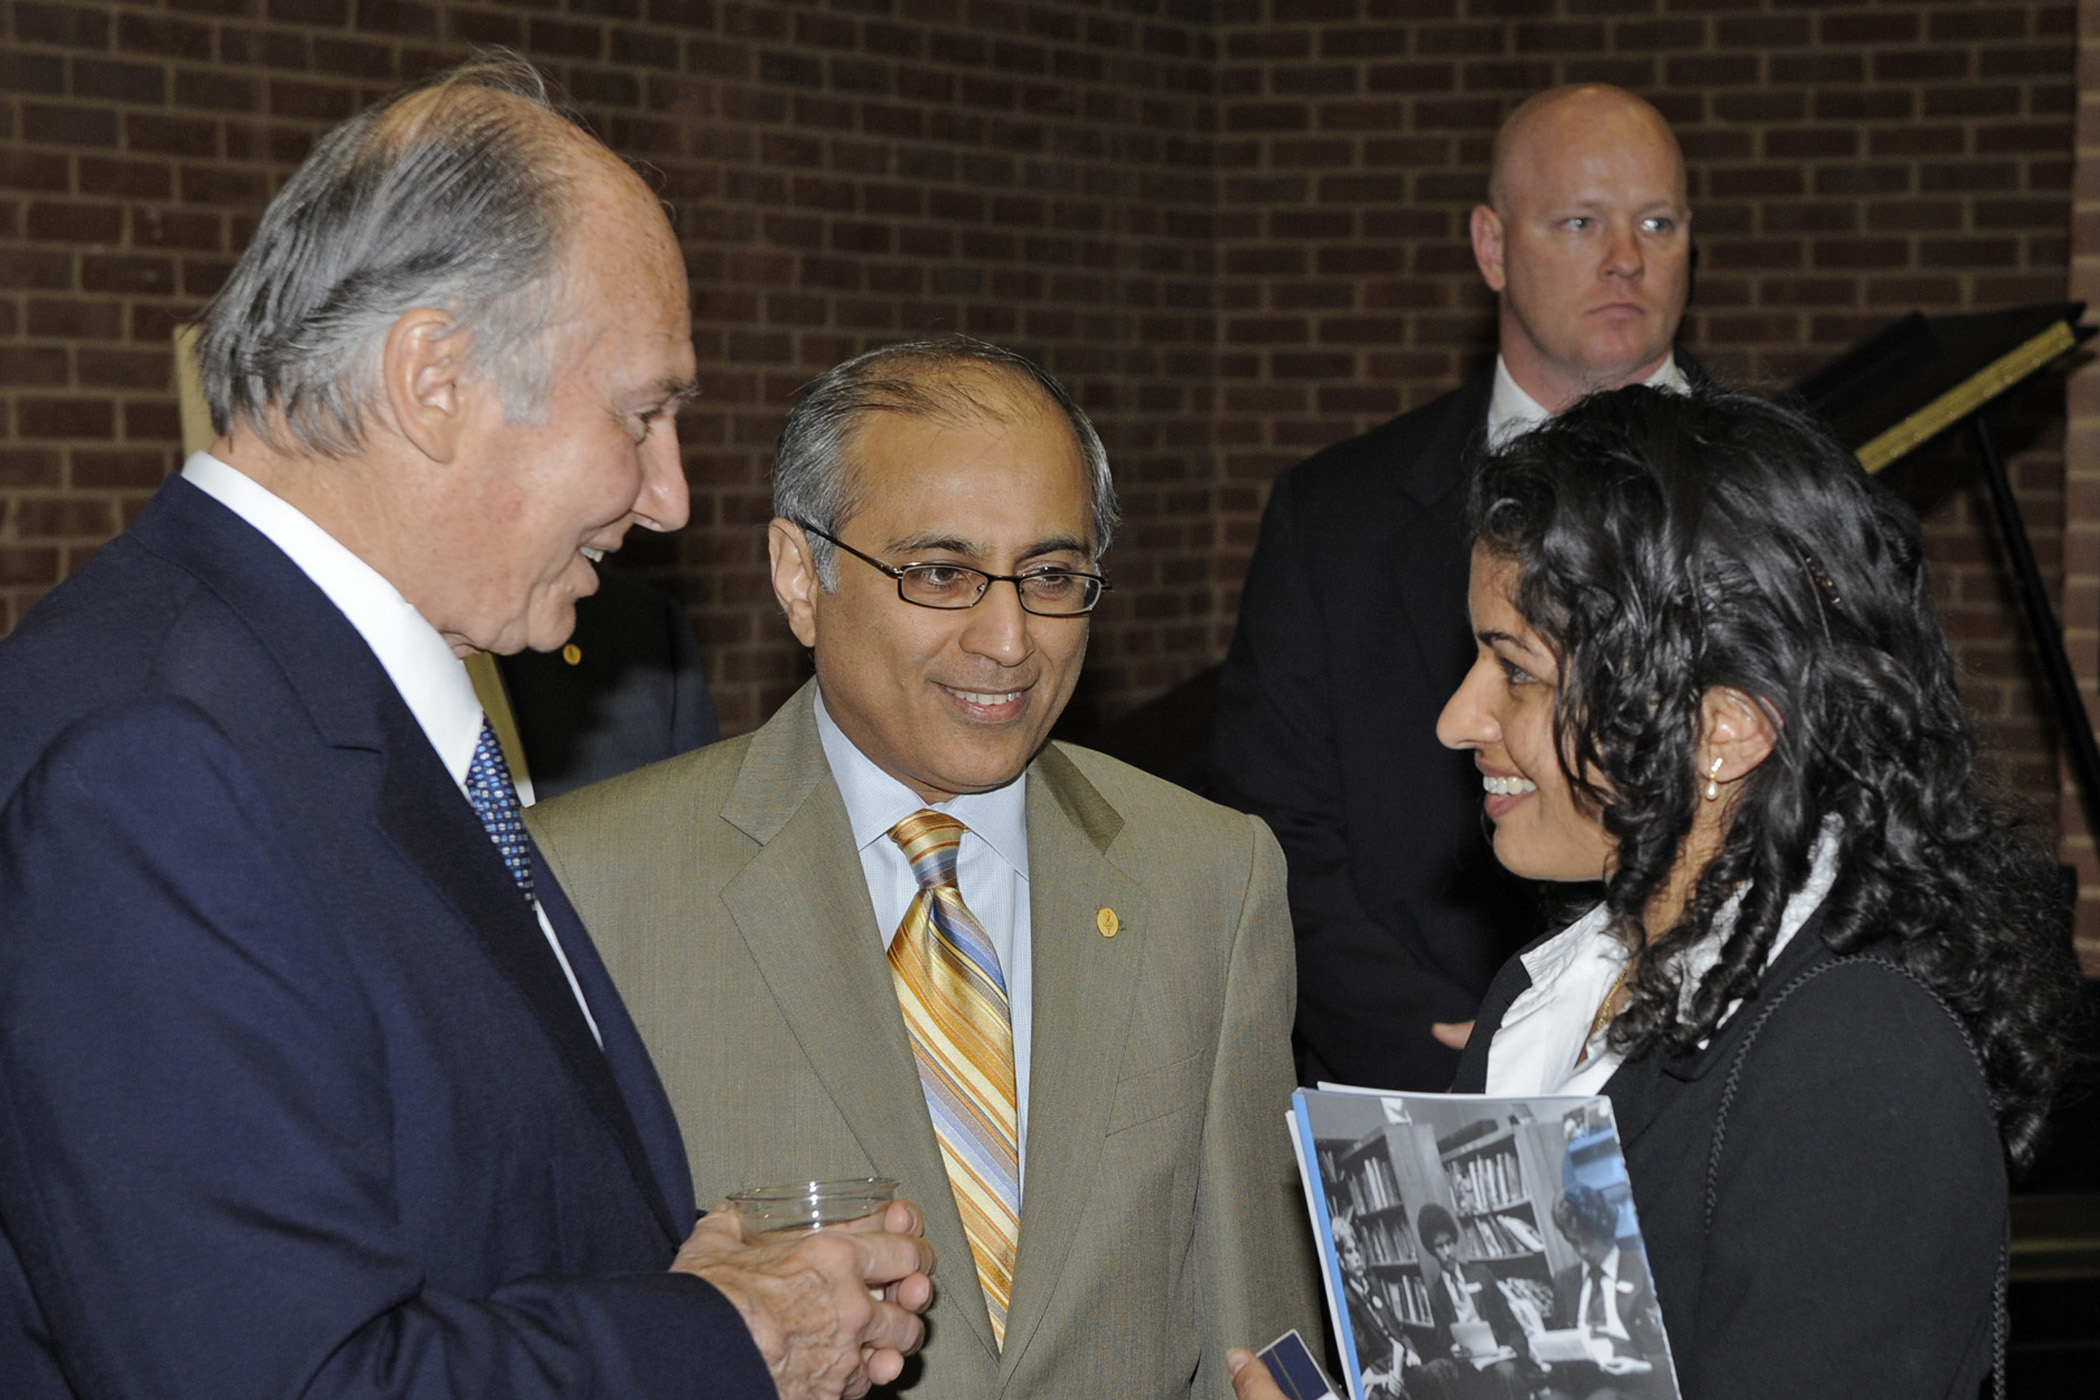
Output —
(1250, 1379)
(832, 1312)
(1452, 1033)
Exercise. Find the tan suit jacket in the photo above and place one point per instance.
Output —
(1161, 1217)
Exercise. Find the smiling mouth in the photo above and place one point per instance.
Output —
(990, 699)
(596, 556)
(988, 706)
(1507, 787)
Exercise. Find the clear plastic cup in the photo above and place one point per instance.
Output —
(810, 1205)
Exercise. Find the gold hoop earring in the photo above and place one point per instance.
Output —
(1713, 781)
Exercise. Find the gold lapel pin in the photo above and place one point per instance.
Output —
(1105, 919)
(573, 654)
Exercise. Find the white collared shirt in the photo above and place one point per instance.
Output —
(1549, 1023)
(433, 683)
(1511, 411)
(991, 871)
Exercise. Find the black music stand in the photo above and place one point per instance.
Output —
(1917, 377)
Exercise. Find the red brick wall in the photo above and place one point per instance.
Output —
(1035, 175)
(1847, 163)
(1236, 226)
(2081, 562)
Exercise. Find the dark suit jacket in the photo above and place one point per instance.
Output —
(1860, 1205)
(1487, 1301)
(635, 695)
(1635, 1302)
(294, 1098)
(1352, 635)
(1375, 1325)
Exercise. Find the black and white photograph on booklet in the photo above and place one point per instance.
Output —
(1480, 1249)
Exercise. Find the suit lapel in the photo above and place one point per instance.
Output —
(641, 1091)
(1642, 1089)
(435, 831)
(1085, 988)
(355, 706)
(802, 907)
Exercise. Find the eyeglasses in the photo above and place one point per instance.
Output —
(951, 587)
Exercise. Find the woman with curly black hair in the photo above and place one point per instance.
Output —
(1827, 982)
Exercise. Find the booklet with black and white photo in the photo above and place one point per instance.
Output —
(1463, 1236)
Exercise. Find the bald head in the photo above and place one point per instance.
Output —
(1586, 239)
(1582, 116)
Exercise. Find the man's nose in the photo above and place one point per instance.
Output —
(998, 626)
(664, 502)
(1622, 253)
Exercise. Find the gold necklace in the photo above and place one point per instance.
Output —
(1604, 1012)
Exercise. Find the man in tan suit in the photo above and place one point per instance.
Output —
(1091, 1112)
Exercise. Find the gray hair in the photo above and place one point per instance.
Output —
(441, 196)
(923, 379)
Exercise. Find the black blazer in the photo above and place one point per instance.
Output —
(1375, 1325)
(1860, 1203)
(1352, 635)
(294, 1097)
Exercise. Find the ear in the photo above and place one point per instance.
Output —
(1736, 730)
(794, 578)
(1487, 247)
(423, 378)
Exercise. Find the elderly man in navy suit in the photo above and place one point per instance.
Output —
(310, 1081)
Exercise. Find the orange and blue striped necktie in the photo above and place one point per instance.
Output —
(953, 994)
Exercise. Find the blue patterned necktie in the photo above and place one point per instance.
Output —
(495, 801)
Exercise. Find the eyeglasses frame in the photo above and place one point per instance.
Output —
(898, 571)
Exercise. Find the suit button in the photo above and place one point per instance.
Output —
(1108, 923)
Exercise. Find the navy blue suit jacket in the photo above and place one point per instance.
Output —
(294, 1098)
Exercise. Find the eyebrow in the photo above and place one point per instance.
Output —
(671, 392)
(1579, 205)
(951, 544)
(1490, 636)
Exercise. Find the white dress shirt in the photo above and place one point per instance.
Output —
(1511, 411)
(1548, 1025)
(991, 871)
(432, 681)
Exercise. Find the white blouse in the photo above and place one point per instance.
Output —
(1547, 1027)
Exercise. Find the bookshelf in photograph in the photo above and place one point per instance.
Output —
(1373, 1178)
(1503, 1179)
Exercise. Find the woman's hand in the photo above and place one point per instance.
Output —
(1250, 1379)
